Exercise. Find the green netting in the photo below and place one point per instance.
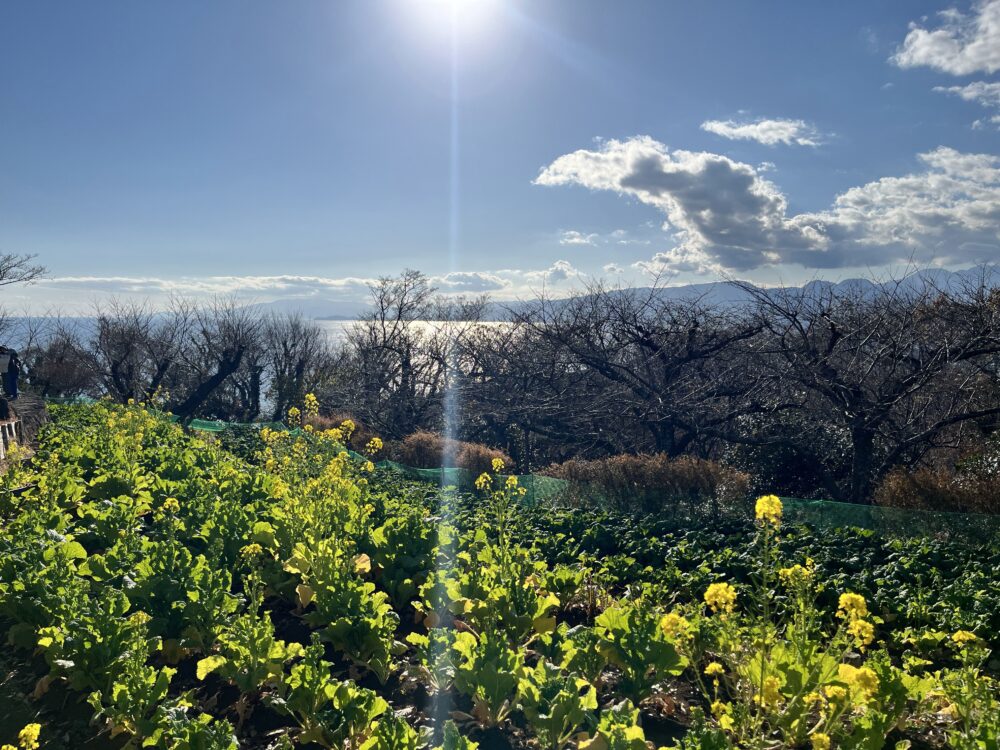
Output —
(893, 521)
(538, 488)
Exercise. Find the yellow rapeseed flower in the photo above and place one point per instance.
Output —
(170, 505)
(961, 637)
(511, 482)
(294, 416)
(721, 597)
(28, 737)
(348, 427)
(863, 631)
(714, 669)
(852, 607)
(813, 699)
(770, 695)
(795, 575)
(820, 741)
(769, 509)
(835, 693)
(484, 482)
(497, 465)
(311, 404)
(369, 467)
(374, 446)
(674, 625)
(251, 550)
(861, 678)
(7, 747)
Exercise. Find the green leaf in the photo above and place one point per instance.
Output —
(208, 665)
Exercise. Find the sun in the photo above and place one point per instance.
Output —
(462, 17)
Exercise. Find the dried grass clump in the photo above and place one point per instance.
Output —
(936, 490)
(654, 483)
(426, 450)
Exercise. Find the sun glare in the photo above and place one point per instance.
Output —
(462, 17)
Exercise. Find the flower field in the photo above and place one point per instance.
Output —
(159, 590)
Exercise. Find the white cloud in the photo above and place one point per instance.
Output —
(617, 237)
(573, 237)
(469, 281)
(960, 44)
(317, 294)
(612, 268)
(285, 286)
(982, 92)
(722, 214)
(561, 270)
(769, 132)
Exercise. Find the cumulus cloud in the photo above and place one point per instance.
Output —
(522, 281)
(573, 237)
(770, 132)
(469, 281)
(723, 214)
(984, 93)
(960, 44)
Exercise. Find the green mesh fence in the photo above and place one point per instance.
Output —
(976, 528)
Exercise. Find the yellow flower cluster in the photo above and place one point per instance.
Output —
(714, 669)
(820, 741)
(768, 509)
(963, 637)
(294, 416)
(251, 550)
(797, 575)
(836, 693)
(484, 482)
(348, 427)
(374, 446)
(674, 625)
(311, 405)
(860, 679)
(863, 632)
(497, 465)
(770, 694)
(27, 738)
(721, 597)
(852, 606)
(170, 505)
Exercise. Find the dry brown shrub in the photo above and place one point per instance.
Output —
(426, 450)
(937, 490)
(654, 483)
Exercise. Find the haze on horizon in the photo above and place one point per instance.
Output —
(500, 146)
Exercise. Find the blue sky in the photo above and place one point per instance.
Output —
(285, 150)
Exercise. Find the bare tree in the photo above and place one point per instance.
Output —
(222, 334)
(896, 368)
(19, 269)
(670, 365)
(299, 359)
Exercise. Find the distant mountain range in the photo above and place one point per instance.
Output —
(724, 293)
